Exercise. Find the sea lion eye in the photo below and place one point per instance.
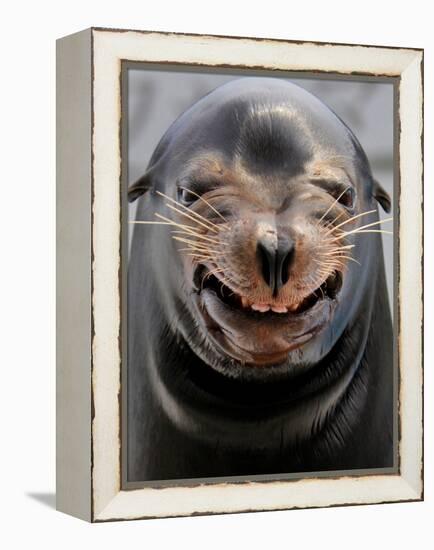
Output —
(347, 198)
(186, 197)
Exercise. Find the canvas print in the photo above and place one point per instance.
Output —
(258, 264)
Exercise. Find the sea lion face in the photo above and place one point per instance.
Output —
(264, 189)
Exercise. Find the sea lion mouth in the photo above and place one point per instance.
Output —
(261, 334)
(205, 280)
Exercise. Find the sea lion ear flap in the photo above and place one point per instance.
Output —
(382, 196)
(142, 185)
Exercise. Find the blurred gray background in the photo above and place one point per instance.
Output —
(157, 97)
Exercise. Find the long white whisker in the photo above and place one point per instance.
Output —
(205, 257)
(333, 203)
(337, 217)
(190, 249)
(207, 227)
(194, 244)
(197, 236)
(210, 274)
(345, 258)
(351, 219)
(347, 247)
(358, 229)
(375, 231)
(143, 222)
(336, 253)
(206, 223)
(206, 202)
(176, 224)
(185, 228)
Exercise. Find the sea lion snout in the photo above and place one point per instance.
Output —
(275, 257)
(271, 259)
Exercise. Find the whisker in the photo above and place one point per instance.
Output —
(316, 282)
(326, 260)
(169, 221)
(350, 258)
(198, 252)
(333, 203)
(222, 281)
(206, 202)
(337, 217)
(346, 247)
(366, 226)
(332, 267)
(375, 231)
(194, 244)
(330, 225)
(207, 227)
(331, 261)
(323, 271)
(206, 223)
(326, 263)
(206, 277)
(214, 271)
(200, 257)
(143, 222)
(351, 219)
(197, 235)
(361, 229)
(335, 252)
(190, 249)
(185, 228)
(312, 286)
(326, 270)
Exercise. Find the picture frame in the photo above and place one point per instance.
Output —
(91, 208)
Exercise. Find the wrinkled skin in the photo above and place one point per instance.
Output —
(255, 344)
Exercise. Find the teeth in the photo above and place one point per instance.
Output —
(279, 309)
(260, 307)
(266, 307)
(263, 308)
(244, 301)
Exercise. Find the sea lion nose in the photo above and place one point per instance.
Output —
(275, 260)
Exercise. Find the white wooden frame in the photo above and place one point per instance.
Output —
(89, 214)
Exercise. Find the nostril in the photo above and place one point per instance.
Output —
(285, 256)
(275, 262)
(266, 256)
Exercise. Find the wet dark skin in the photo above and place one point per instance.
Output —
(259, 333)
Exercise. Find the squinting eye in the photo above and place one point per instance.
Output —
(185, 196)
(348, 198)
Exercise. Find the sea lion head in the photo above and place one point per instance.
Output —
(263, 256)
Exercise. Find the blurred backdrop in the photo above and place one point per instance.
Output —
(157, 97)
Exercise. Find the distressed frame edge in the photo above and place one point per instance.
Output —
(252, 38)
(111, 511)
(412, 491)
(412, 313)
(73, 275)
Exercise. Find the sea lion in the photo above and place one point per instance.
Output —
(259, 330)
